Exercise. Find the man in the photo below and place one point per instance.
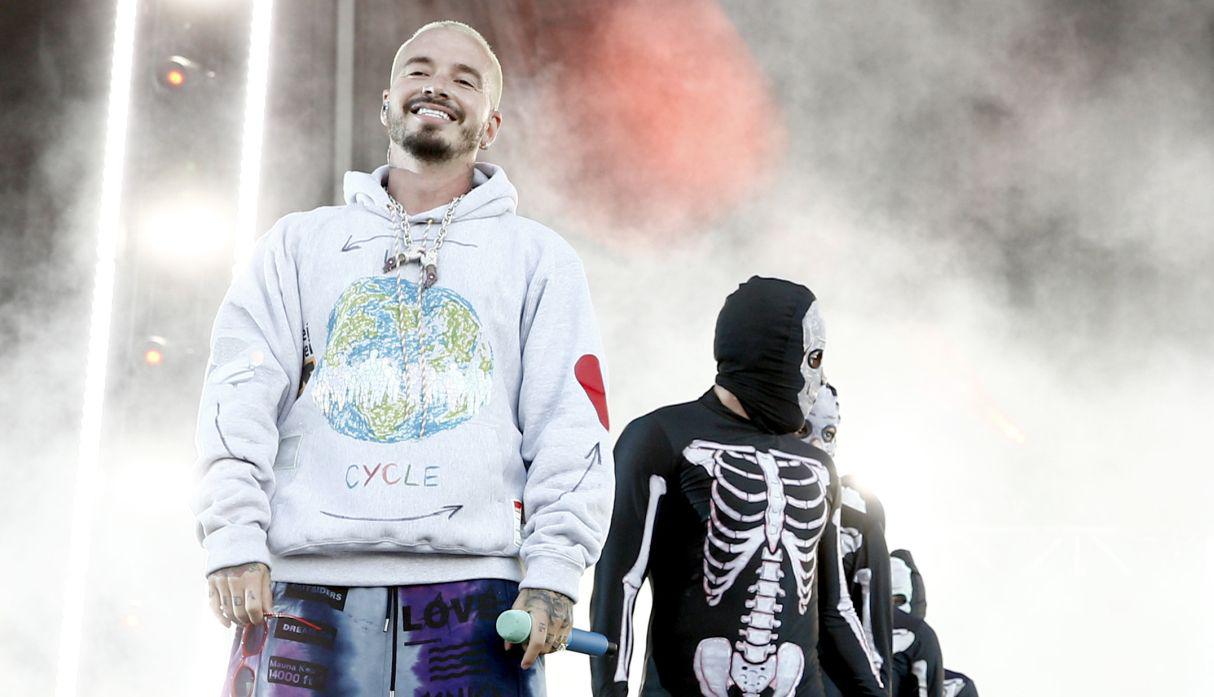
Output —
(404, 402)
(862, 542)
(918, 664)
(912, 599)
(734, 522)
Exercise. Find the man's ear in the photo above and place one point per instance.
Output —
(492, 125)
(383, 110)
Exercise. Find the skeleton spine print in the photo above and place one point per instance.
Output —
(771, 505)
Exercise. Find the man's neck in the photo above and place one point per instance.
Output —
(730, 401)
(422, 186)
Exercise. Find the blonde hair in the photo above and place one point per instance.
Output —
(493, 79)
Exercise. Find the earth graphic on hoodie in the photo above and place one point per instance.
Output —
(379, 381)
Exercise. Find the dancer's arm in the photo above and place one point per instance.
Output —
(642, 456)
(846, 655)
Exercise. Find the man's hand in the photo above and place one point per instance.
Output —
(551, 622)
(241, 594)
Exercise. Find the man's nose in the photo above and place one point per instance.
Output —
(437, 87)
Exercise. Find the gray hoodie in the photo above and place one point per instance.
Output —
(347, 437)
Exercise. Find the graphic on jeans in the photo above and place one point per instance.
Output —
(391, 372)
(431, 640)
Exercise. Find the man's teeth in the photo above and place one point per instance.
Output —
(433, 112)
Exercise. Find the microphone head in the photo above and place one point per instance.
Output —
(514, 626)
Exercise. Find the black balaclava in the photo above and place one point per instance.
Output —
(768, 346)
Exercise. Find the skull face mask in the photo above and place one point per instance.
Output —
(900, 582)
(823, 420)
(769, 347)
(813, 337)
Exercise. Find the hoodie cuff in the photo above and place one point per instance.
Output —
(235, 545)
(553, 573)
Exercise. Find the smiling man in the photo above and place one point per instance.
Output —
(401, 428)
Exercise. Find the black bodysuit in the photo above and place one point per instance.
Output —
(918, 665)
(866, 570)
(736, 531)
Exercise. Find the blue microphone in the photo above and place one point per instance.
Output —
(515, 627)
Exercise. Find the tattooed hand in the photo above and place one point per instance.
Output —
(551, 621)
(241, 594)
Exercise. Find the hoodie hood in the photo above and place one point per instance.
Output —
(492, 194)
(918, 595)
(765, 336)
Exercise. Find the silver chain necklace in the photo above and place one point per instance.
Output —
(427, 259)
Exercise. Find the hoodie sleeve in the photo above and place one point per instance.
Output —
(846, 655)
(642, 456)
(562, 415)
(252, 376)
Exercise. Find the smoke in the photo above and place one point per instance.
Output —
(1003, 207)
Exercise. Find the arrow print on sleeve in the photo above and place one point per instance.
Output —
(594, 456)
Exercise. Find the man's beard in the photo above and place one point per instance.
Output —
(427, 145)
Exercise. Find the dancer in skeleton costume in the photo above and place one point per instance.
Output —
(958, 685)
(917, 601)
(862, 541)
(918, 664)
(734, 521)
(910, 596)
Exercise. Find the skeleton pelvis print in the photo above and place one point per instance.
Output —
(768, 509)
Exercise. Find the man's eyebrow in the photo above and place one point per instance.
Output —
(418, 59)
(469, 69)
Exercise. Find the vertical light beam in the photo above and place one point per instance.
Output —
(75, 576)
(254, 129)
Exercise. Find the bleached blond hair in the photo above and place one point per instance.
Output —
(493, 79)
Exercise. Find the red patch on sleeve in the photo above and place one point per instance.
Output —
(590, 377)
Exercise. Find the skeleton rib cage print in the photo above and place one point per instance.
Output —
(735, 531)
(772, 504)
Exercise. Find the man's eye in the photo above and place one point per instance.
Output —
(815, 359)
(465, 83)
(828, 435)
(417, 73)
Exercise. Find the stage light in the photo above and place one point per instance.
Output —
(153, 351)
(188, 230)
(75, 574)
(178, 73)
(254, 126)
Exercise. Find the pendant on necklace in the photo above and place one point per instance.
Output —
(429, 262)
(410, 255)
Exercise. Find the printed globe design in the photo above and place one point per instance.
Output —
(369, 383)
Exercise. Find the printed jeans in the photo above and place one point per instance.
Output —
(434, 640)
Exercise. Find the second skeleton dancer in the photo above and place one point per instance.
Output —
(734, 521)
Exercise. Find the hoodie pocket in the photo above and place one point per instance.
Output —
(447, 493)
